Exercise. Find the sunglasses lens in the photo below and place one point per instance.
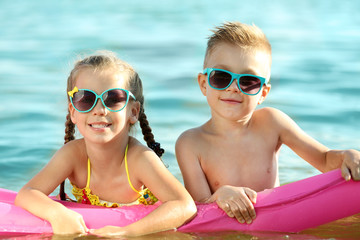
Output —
(83, 100)
(219, 79)
(115, 99)
(250, 84)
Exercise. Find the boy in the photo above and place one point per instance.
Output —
(235, 154)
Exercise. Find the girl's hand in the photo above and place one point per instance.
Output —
(68, 222)
(108, 231)
(350, 167)
(237, 202)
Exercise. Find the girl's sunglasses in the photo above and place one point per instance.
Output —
(248, 84)
(114, 99)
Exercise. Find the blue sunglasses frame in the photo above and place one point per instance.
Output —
(75, 90)
(207, 71)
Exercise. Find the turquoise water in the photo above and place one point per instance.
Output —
(315, 73)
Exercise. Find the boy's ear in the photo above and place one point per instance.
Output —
(72, 111)
(264, 92)
(202, 83)
(135, 111)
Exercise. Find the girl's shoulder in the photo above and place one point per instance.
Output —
(74, 146)
(138, 153)
(74, 149)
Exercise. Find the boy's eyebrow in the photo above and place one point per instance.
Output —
(247, 71)
(222, 67)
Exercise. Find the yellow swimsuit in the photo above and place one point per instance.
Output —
(84, 195)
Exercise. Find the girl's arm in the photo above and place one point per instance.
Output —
(33, 197)
(312, 151)
(177, 205)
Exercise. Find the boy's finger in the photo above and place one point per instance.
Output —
(250, 211)
(345, 172)
(355, 173)
(226, 208)
(237, 211)
(242, 211)
(251, 194)
(248, 203)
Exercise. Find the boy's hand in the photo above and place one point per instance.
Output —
(236, 202)
(350, 167)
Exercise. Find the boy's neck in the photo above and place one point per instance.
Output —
(224, 126)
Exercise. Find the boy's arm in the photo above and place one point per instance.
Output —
(235, 201)
(194, 178)
(347, 160)
(312, 151)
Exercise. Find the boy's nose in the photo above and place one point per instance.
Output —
(234, 86)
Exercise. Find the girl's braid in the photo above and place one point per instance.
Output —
(148, 136)
(69, 136)
(69, 129)
(136, 88)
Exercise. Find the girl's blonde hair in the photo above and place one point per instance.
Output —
(104, 61)
(248, 37)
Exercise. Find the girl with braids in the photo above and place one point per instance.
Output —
(107, 167)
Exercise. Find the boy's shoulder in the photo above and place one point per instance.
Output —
(190, 138)
(191, 134)
(267, 110)
(268, 113)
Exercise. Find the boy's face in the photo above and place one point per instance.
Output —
(231, 103)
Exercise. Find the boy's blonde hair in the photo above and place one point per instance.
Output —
(248, 37)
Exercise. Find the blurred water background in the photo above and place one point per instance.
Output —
(315, 71)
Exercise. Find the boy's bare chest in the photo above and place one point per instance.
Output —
(240, 163)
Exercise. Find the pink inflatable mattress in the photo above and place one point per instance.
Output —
(289, 208)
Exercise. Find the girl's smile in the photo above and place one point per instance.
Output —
(100, 126)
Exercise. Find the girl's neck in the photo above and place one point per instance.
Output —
(106, 156)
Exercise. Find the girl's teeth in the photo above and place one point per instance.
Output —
(99, 125)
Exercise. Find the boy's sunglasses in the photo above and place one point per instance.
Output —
(114, 99)
(248, 84)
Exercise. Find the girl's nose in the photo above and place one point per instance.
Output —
(99, 108)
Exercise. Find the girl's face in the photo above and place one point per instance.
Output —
(231, 103)
(101, 125)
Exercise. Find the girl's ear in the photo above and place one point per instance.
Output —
(202, 83)
(72, 113)
(134, 113)
(265, 91)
